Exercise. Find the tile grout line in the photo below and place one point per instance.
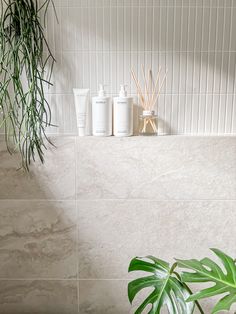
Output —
(85, 51)
(172, 74)
(214, 71)
(180, 68)
(144, 6)
(220, 108)
(117, 199)
(162, 135)
(234, 85)
(161, 94)
(62, 279)
(228, 68)
(199, 112)
(77, 227)
(193, 71)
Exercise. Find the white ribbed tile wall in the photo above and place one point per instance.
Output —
(100, 40)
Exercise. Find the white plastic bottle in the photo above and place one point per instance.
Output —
(102, 114)
(123, 114)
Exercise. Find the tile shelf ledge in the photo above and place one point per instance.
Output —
(135, 137)
(166, 136)
(54, 135)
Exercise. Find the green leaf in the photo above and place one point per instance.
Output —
(206, 270)
(168, 290)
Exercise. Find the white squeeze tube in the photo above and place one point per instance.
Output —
(82, 110)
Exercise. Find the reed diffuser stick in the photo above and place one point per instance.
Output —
(150, 86)
(146, 85)
(149, 96)
(155, 86)
(138, 87)
(159, 91)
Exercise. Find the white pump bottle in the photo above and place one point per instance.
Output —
(123, 113)
(102, 113)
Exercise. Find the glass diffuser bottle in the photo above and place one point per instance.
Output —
(148, 123)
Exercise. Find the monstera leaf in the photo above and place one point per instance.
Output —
(168, 290)
(207, 270)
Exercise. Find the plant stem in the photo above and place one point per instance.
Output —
(196, 301)
(187, 287)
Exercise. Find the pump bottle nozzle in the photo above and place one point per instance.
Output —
(101, 92)
(123, 92)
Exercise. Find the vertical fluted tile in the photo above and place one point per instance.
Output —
(196, 38)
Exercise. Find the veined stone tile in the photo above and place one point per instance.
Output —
(112, 232)
(38, 297)
(110, 297)
(38, 239)
(103, 297)
(55, 179)
(108, 236)
(174, 167)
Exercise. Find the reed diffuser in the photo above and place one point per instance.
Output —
(149, 94)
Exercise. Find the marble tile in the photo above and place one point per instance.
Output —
(55, 179)
(103, 297)
(112, 232)
(38, 239)
(108, 236)
(38, 297)
(110, 297)
(157, 168)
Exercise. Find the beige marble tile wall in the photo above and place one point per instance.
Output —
(69, 228)
(100, 40)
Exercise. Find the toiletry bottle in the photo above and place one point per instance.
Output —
(102, 114)
(123, 114)
(82, 106)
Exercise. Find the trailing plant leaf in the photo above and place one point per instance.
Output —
(24, 58)
(206, 270)
(168, 290)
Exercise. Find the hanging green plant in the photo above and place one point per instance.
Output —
(26, 64)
